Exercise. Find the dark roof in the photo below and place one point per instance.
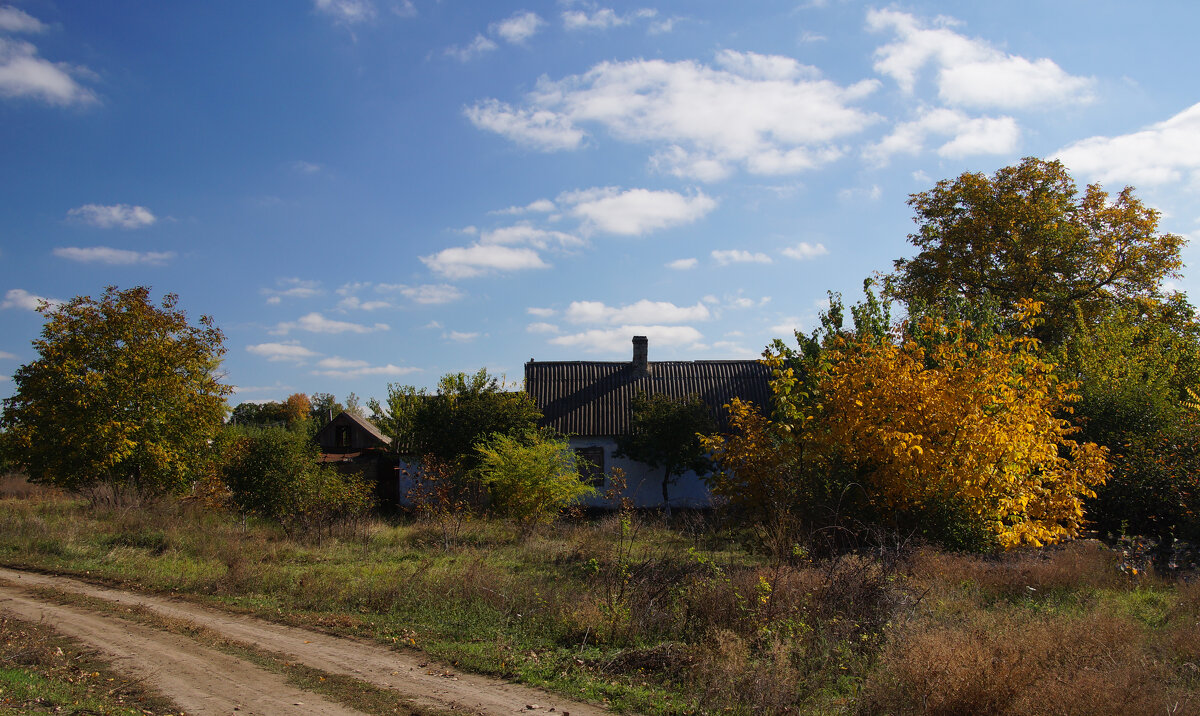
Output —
(593, 397)
(358, 420)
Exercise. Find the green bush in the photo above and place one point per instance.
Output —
(530, 482)
(277, 474)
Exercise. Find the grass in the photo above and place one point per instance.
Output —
(42, 672)
(672, 619)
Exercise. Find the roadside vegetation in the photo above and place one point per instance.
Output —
(899, 531)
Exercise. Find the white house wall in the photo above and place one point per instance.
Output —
(643, 484)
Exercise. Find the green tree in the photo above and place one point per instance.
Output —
(529, 481)
(123, 393)
(323, 407)
(664, 432)
(395, 417)
(1026, 232)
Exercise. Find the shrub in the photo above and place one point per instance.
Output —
(277, 474)
(530, 483)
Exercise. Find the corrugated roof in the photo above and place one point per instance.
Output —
(593, 397)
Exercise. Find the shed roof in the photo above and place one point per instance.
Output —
(593, 397)
(358, 420)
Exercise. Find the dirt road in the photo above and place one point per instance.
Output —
(205, 681)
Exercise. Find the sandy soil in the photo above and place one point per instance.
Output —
(204, 681)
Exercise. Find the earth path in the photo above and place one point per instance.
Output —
(203, 680)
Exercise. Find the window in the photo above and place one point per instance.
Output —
(341, 438)
(590, 461)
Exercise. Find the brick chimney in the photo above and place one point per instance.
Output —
(641, 351)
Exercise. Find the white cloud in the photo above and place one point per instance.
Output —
(526, 234)
(642, 311)
(970, 72)
(354, 303)
(606, 18)
(460, 336)
(20, 298)
(540, 312)
(538, 129)
(290, 351)
(432, 294)
(787, 327)
(968, 136)
(295, 288)
(1163, 153)
(7, 356)
(738, 256)
(540, 206)
(115, 257)
(337, 367)
(519, 27)
(24, 74)
(617, 340)
(121, 216)
(349, 12)
(481, 259)
(683, 264)
(316, 323)
(301, 167)
(869, 193)
(15, 20)
(635, 211)
(804, 251)
(768, 113)
(479, 46)
(541, 327)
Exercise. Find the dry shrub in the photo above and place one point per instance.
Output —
(728, 671)
(1019, 662)
(1075, 565)
(1182, 634)
(16, 486)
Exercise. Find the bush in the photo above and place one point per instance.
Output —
(529, 482)
(277, 474)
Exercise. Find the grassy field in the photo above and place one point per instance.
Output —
(668, 619)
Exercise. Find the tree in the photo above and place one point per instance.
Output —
(665, 432)
(396, 418)
(296, 409)
(123, 394)
(1027, 233)
(324, 407)
(530, 482)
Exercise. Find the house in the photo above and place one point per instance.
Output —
(351, 443)
(589, 401)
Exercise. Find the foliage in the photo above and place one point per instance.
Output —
(277, 474)
(465, 410)
(123, 394)
(530, 482)
(296, 409)
(1027, 233)
(294, 413)
(947, 419)
(323, 408)
(664, 432)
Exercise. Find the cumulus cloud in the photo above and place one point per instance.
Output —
(302, 167)
(479, 46)
(294, 288)
(121, 216)
(788, 326)
(354, 303)
(113, 257)
(1163, 153)
(519, 27)
(605, 18)
(481, 259)
(767, 113)
(15, 20)
(20, 298)
(348, 12)
(540, 206)
(970, 72)
(541, 327)
(738, 256)
(804, 251)
(540, 312)
(337, 367)
(24, 74)
(460, 336)
(683, 264)
(635, 211)
(617, 340)
(316, 323)
(432, 294)
(528, 235)
(642, 311)
(964, 135)
(291, 351)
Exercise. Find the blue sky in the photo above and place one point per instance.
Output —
(372, 191)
